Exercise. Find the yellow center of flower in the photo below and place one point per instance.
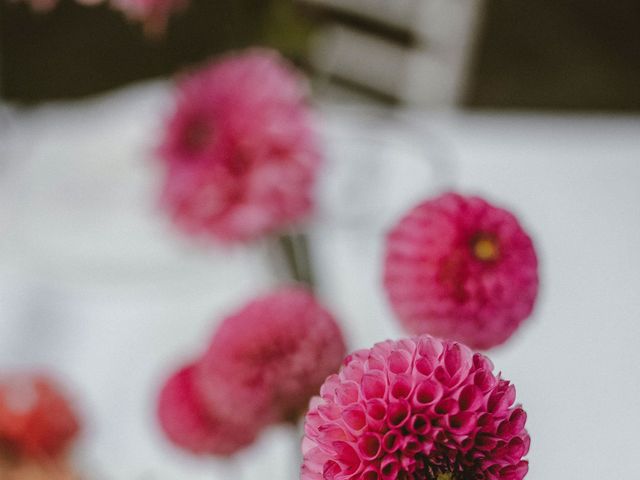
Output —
(485, 248)
(445, 476)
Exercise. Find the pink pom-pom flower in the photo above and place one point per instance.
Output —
(419, 408)
(36, 419)
(239, 151)
(190, 426)
(460, 268)
(268, 359)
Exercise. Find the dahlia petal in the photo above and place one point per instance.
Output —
(470, 398)
(389, 468)
(373, 386)
(355, 418)
(392, 441)
(401, 387)
(369, 445)
(427, 393)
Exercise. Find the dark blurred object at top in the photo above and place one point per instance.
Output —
(75, 50)
(557, 54)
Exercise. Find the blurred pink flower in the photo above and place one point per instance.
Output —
(36, 419)
(271, 357)
(153, 14)
(457, 267)
(189, 426)
(239, 151)
(417, 408)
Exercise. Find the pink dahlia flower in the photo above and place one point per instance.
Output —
(419, 408)
(271, 357)
(36, 419)
(188, 425)
(460, 268)
(239, 151)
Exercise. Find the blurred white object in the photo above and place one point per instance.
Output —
(378, 164)
(429, 69)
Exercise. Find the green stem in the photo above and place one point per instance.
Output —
(295, 247)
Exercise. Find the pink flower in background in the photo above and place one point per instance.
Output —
(239, 151)
(420, 409)
(154, 14)
(36, 420)
(457, 267)
(188, 425)
(271, 357)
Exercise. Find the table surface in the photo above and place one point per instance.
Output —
(96, 285)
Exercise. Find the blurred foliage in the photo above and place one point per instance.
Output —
(288, 29)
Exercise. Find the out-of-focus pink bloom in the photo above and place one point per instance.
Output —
(36, 420)
(188, 425)
(153, 14)
(239, 151)
(457, 267)
(271, 357)
(417, 408)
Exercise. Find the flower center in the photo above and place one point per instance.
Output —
(445, 476)
(485, 247)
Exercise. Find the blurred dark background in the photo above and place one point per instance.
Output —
(75, 50)
(558, 54)
(545, 54)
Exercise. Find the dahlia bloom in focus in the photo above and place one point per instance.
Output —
(460, 268)
(36, 420)
(420, 409)
(239, 150)
(268, 359)
(188, 425)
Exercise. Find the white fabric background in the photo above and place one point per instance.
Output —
(95, 285)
